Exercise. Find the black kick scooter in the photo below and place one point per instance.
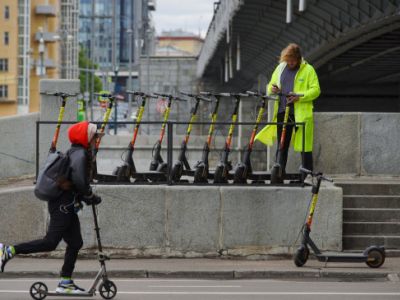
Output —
(178, 167)
(373, 256)
(277, 175)
(224, 166)
(157, 163)
(201, 169)
(243, 170)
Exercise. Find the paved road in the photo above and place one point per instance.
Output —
(156, 289)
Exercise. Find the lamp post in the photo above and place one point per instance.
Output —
(130, 33)
(116, 102)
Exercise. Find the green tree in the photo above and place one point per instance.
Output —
(84, 63)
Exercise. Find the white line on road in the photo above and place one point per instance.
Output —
(194, 286)
(240, 293)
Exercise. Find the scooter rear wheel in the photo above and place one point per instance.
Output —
(375, 259)
(108, 289)
(301, 256)
(38, 290)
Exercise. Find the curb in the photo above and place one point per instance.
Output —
(227, 275)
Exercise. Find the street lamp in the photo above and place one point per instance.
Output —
(116, 102)
(130, 33)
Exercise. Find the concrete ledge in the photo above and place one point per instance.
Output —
(185, 221)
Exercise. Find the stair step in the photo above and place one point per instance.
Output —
(371, 201)
(363, 241)
(370, 188)
(371, 214)
(371, 228)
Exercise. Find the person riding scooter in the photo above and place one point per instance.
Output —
(64, 222)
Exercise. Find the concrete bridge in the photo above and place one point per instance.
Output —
(352, 44)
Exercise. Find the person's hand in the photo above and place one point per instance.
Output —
(275, 89)
(292, 98)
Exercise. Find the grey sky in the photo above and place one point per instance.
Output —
(189, 15)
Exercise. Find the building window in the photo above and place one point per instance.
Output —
(3, 64)
(6, 12)
(3, 91)
(6, 38)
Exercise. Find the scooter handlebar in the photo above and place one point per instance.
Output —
(255, 94)
(289, 94)
(105, 95)
(58, 94)
(141, 94)
(169, 96)
(195, 96)
(306, 171)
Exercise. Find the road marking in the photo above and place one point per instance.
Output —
(239, 293)
(194, 286)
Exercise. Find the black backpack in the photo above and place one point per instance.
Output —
(54, 178)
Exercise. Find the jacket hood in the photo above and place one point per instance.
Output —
(78, 134)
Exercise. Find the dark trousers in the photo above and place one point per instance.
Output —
(63, 225)
(306, 158)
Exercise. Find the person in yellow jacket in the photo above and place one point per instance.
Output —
(293, 75)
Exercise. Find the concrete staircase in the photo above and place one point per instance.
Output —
(371, 215)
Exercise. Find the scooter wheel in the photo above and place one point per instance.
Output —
(38, 291)
(301, 256)
(108, 289)
(198, 175)
(176, 172)
(239, 175)
(376, 258)
(276, 175)
(218, 175)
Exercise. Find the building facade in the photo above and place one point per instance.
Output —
(38, 40)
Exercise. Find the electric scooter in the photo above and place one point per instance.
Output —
(178, 167)
(373, 256)
(277, 175)
(224, 166)
(128, 169)
(243, 170)
(201, 169)
(157, 163)
(94, 175)
(64, 97)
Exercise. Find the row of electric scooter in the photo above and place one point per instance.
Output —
(201, 173)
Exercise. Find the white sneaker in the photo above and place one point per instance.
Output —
(68, 287)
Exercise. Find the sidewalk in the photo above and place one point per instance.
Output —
(207, 269)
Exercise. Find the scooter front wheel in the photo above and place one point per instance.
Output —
(301, 256)
(176, 172)
(219, 175)
(199, 174)
(38, 290)
(108, 289)
(376, 258)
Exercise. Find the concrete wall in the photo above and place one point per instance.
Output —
(18, 145)
(168, 221)
(354, 144)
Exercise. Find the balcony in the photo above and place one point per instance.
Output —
(46, 10)
(47, 36)
(151, 4)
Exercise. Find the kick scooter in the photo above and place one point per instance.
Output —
(201, 169)
(107, 288)
(224, 166)
(243, 170)
(373, 256)
(277, 175)
(178, 167)
(157, 163)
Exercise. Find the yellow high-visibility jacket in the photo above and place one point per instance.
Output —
(305, 82)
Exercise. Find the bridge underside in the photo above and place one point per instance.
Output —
(354, 46)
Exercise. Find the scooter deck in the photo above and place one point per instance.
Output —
(68, 294)
(341, 257)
